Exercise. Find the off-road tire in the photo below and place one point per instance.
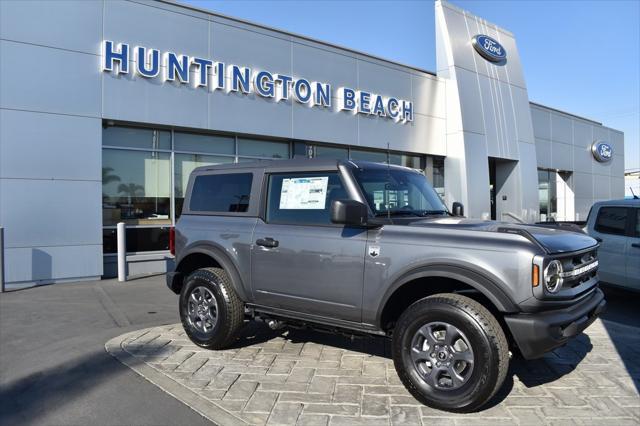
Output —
(229, 307)
(488, 341)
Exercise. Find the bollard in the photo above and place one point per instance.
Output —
(122, 252)
(1, 259)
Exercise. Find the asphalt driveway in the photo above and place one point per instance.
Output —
(53, 366)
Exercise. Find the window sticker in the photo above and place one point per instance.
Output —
(308, 193)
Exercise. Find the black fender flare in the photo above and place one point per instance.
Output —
(223, 259)
(480, 280)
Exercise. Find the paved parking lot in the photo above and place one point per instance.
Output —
(303, 377)
(54, 369)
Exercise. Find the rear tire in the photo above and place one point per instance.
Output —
(450, 352)
(210, 310)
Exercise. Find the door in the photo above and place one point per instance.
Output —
(633, 251)
(610, 227)
(492, 187)
(300, 261)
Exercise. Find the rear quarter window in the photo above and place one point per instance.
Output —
(612, 220)
(224, 193)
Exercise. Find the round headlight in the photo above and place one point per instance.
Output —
(553, 276)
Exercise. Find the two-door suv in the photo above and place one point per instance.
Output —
(359, 247)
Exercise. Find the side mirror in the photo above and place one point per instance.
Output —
(349, 212)
(458, 209)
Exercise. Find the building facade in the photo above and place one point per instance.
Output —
(107, 106)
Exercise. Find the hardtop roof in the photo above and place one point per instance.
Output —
(298, 163)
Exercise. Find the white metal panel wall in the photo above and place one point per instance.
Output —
(487, 116)
(133, 98)
(563, 142)
(50, 140)
(53, 103)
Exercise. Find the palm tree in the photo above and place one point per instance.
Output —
(107, 177)
(130, 189)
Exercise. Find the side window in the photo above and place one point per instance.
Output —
(227, 193)
(612, 220)
(303, 198)
(637, 233)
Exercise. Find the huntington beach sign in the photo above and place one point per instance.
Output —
(216, 75)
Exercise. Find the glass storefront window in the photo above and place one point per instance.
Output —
(437, 179)
(374, 156)
(412, 161)
(324, 151)
(138, 240)
(137, 178)
(131, 137)
(135, 187)
(263, 149)
(547, 194)
(210, 144)
(183, 166)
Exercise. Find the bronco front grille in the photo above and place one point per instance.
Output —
(579, 268)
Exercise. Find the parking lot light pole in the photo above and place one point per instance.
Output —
(122, 252)
(1, 259)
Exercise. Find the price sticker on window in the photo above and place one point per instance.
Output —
(306, 193)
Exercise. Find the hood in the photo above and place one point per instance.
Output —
(552, 239)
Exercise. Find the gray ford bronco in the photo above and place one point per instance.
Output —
(366, 248)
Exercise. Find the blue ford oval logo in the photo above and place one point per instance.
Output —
(602, 151)
(489, 49)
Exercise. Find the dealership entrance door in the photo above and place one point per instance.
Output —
(503, 189)
(492, 186)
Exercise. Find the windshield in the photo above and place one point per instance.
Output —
(396, 192)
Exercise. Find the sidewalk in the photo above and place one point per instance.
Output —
(303, 377)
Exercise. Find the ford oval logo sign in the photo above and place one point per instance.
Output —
(602, 151)
(489, 49)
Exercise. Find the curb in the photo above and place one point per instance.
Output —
(202, 406)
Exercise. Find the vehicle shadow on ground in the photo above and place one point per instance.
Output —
(24, 400)
(532, 373)
(622, 313)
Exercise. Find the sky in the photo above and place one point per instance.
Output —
(581, 57)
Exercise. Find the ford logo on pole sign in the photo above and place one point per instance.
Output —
(489, 49)
(602, 151)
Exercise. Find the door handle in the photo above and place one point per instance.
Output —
(636, 245)
(267, 242)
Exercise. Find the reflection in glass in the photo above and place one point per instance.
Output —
(547, 194)
(138, 240)
(374, 156)
(437, 180)
(210, 144)
(135, 187)
(136, 138)
(398, 192)
(323, 151)
(184, 165)
(225, 192)
(261, 148)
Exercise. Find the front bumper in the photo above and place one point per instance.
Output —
(538, 333)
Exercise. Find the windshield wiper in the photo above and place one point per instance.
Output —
(419, 213)
(433, 212)
(398, 213)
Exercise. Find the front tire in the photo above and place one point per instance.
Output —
(450, 352)
(210, 310)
